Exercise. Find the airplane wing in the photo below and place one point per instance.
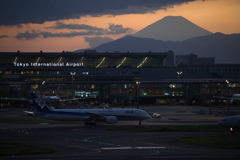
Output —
(96, 116)
(223, 97)
(63, 100)
(72, 99)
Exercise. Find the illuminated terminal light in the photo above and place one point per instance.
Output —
(121, 62)
(140, 65)
(15, 59)
(38, 60)
(100, 62)
(60, 59)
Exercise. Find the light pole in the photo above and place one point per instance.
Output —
(123, 94)
(28, 93)
(43, 82)
(179, 74)
(72, 74)
(227, 100)
(137, 83)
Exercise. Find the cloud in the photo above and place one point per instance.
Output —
(118, 29)
(88, 31)
(19, 26)
(96, 41)
(28, 35)
(3, 36)
(14, 12)
(61, 25)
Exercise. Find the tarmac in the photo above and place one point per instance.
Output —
(74, 140)
(170, 115)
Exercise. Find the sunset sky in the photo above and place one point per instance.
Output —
(69, 25)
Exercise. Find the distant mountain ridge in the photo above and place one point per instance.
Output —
(224, 48)
(172, 28)
(182, 37)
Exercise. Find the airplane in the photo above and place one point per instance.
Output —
(231, 122)
(90, 116)
(55, 100)
(234, 100)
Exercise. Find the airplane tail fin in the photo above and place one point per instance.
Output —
(39, 105)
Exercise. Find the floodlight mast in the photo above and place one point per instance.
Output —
(137, 83)
(179, 74)
(72, 74)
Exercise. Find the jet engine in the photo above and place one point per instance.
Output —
(110, 119)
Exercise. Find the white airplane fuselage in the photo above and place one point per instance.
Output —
(110, 116)
(232, 122)
(82, 114)
(235, 99)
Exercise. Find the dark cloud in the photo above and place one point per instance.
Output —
(3, 36)
(14, 12)
(61, 25)
(89, 31)
(35, 34)
(112, 28)
(118, 29)
(19, 26)
(96, 41)
(28, 35)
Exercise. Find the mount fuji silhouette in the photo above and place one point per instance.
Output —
(172, 28)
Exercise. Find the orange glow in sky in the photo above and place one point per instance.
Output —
(212, 15)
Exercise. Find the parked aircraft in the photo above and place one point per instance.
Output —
(90, 116)
(54, 100)
(231, 122)
(235, 99)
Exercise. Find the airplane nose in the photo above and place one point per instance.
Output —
(148, 116)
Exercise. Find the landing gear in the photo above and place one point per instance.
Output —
(140, 123)
(90, 123)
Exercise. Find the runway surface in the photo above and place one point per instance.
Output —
(73, 140)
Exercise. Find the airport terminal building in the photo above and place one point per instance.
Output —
(113, 77)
